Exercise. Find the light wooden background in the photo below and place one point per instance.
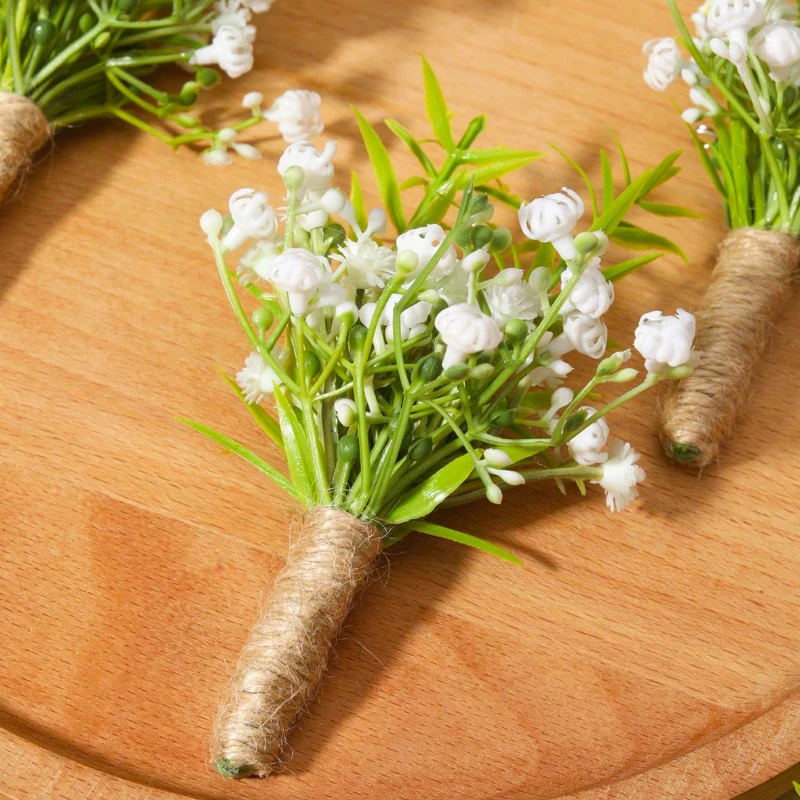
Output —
(653, 654)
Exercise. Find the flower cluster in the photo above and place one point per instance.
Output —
(398, 354)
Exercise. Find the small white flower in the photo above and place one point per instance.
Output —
(297, 115)
(252, 100)
(253, 218)
(257, 379)
(424, 242)
(664, 63)
(733, 19)
(497, 458)
(318, 167)
(235, 13)
(345, 411)
(300, 274)
(552, 219)
(621, 475)
(665, 341)
(778, 46)
(586, 448)
(466, 329)
(230, 48)
(365, 263)
(592, 294)
(587, 334)
(255, 262)
(700, 20)
(520, 300)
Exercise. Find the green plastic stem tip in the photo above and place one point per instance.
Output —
(230, 769)
(682, 452)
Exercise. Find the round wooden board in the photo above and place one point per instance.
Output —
(649, 654)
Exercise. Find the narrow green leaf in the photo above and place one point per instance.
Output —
(264, 420)
(496, 154)
(617, 271)
(635, 238)
(384, 172)
(436, 108)
(667, 210)
(626, 170)
(473, 131)
(441, 202)
(796, 786)
(410, 183)
(465, 538)
(243, 452)
(584, 177)
(412, 144)
(298, 455)
(706, 160)
(615, 213)
(357, 199)
(608, 180)
(511, 200)
(426, 496)
(668, 176)
(657, 172)
(496, 169)
(545, 257)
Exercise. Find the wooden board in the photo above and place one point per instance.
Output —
(651, 654)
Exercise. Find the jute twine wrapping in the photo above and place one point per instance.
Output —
(23, 130)
(750, 282)
(330, 559)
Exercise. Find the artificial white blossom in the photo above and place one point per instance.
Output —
(211, 223)
(230, 48)
(345, 410)
(252, 100)
(518, 300)
(593, 294)
(297, 114)
(255, 262)
(777, 44)
(733, 20)
(664, 62)
(424, 242)
(475, 261)
(317, 166)
(300, 274)
(257, 379)
(226, 138)
(551, 219)
(587, 447)
(465, 329)
(253, 218)
(365, 263)
(588, 335)
(233, 13)
(621, 474)
(665, 341)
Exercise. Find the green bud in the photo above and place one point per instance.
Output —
(576, 420)
(516, 330)
(501, 418)
(456, 372)
(430, 368)
(406, 261)
(481, 372)
(608, 366)
(311, 362)
(262, 318)
(126, 6)
(334, 233)
(43, 31)
(420, 449)
(101, 40)
(779, 147)
(207, 77)
(357, 337)
(479, 203)
(623, 376)
(227, 224)
(462, 237)
(501, 240)
(302, 238)
(86, 22)
(480, 236)
(293, 177)
(188, 94)
(348, 449)
(186, 121)
(586, 242)
(678, 373)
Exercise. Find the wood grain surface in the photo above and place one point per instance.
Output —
(653, 654)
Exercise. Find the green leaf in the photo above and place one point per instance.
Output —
(357, 199)
(243, 452)
(666, 210)
(426, 496)
(410, 183)
(441, 202)
(796, 786)
(496, 169)
(497, 154)
(658, 172)
(608, 180)
(473, 131)
(624, 268)
(436, 108)
(509, 199)
(412, 144)
(615, 213)
(298, 455)
(264, 420)
(635, 238)
(626, 170)
(584, 177)
(465, 538)
(545, 257)
(384, 172)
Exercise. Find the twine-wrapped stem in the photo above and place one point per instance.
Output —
(330, 558)
(750, 282)
(23, 130)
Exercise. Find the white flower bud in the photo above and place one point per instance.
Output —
(211, 223)
(778, 46)
(252, 100)
(215, 157)
(495, 457)
(587, 334)
(300, 274)
(466, 329)
(247, 151)
(231, 49)
(297, 115)
(664, 63)
(345, 412)
(665, 341)
(552, 219)
(734, 19)
(333, 201)
(226, 135)
(253, 218)
(475, 261)
(508, 476)
(592, 294)
(586, 447)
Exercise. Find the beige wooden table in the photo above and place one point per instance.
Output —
(654, 654)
